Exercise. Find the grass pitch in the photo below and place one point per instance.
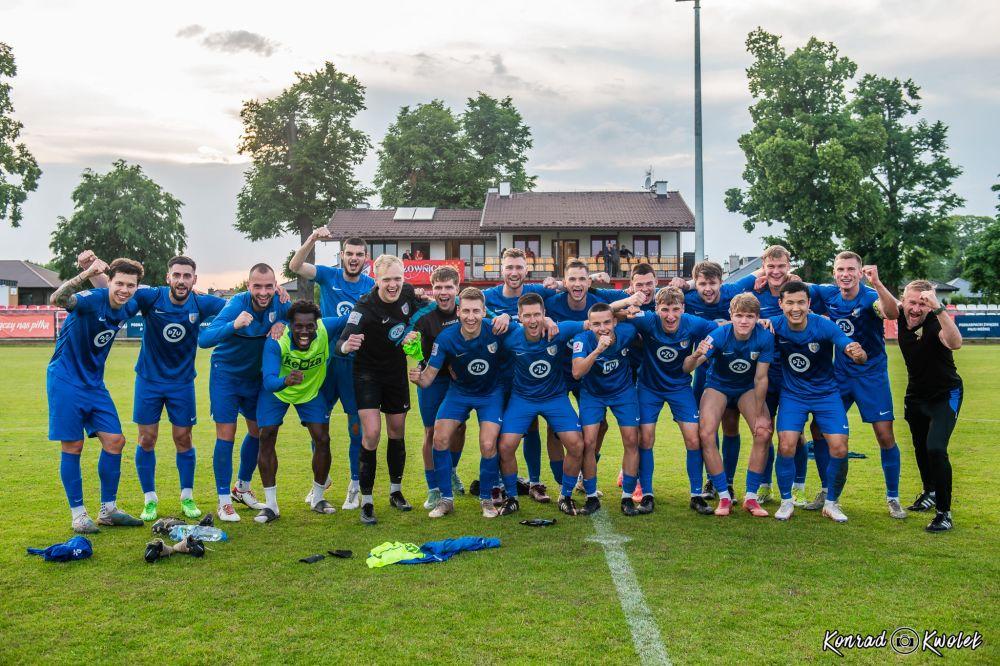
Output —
(720, 590)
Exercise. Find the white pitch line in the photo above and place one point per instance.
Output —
(645, 633)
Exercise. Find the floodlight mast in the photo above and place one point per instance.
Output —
(699, 193)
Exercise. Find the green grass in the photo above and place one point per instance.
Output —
(721, 590)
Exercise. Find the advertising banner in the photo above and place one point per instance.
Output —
(29, 325)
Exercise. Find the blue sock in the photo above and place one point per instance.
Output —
(821, 454)
(568, 484)
(489, 472)
(590, 486)
(185, 467)
(890, 469)
(768, 472)
(836, 476)
(72, 478)
(354, 449)
(556, 467)
(801, 463)
(222, 463)
(719, 481)
(730, 456)
(628, 484)
(145, 468)
(533, 455)
(109, 469)
(646, 470)
(510, 484)
(248, 458)
(753, 481)
(784, 469)
(442, 470)
(430, 475)
(694, 462)
(455, 457)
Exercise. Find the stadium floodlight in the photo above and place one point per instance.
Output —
(699, 196)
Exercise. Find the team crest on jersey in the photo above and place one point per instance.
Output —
(684, 344)
(666, 354)
(799, 362)
(478, 367)
(396, 332)
(814, 347)
(344, 307)
(754, 356)
(270, 317)
(847, 326)
(539, 369)
(492, 348)
(856, 312)
(405, 308)
(193, 317)
(552, 350)
(577, 346)
(173, 332)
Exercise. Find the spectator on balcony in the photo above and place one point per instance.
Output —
(418, 255)
(406, 256)
(528, 253)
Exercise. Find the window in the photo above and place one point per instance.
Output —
(598, 243)
(376, 249)
(533, 243)
(646, 246)
(423, 248)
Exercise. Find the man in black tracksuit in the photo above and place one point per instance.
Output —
(927, 338)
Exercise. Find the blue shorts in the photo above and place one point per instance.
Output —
(732, 395)
(682, 404)
(457, 406)
(151, 397)
(828, 413)
(229, 396)
(75, 411)
(271, 410)
(339, 384)
(624, 405)
(771, 400)
(872, 395)
(700, 381)
(429, 400)
(521, 411)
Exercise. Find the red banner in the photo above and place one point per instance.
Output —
(419, 272)
(16, 325)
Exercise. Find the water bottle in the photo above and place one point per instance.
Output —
(201, 532)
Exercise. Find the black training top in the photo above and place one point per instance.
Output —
(384, 325)
(430, 321)
(929, 364)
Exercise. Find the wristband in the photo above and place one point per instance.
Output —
(938, 310)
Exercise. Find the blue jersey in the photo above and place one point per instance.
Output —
(732, 363)
(86, 337)
(557, 307)
(170, 333)
(611, 373)
(337, 296)
(664, 353)
(475, 362)
(718, 311)
(861, 320)
(771, 307)
(238, 352)
(503, 305)
(807, 355)
(537, 371)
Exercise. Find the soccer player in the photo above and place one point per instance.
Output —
(79, 401)
(859, 310)
(238, 334)
(927, 338)
(668, 338)
(374, 333)
(339, 290)
(806, 342)
(539, 389)
(738, 355)
(429, 322)
(294, 369)
(471, 351)
(601, 365)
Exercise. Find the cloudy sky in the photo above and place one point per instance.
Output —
(607, 88)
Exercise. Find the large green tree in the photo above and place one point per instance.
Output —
(963, 230)
(304, 149)
(906, 228)
(19, 172)
(122, 213)
(982, 257)
(498, 142)
(807, 156)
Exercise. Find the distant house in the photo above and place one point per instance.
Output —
(737, 267)
(964, 288)
(943, 290)
(34, 284)
(654, 224)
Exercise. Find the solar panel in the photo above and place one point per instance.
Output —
(423, 214)
(404, 213)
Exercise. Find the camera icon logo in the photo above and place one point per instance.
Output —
(904, 641)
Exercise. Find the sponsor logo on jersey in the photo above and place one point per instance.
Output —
(739, 365)
(552, 350)
(492, 348)
(666, 354)
(539, 369)
(173, 332)
(856, 312)
(293, 363)
(799, 362)
(103, 338)
(847, 326)
(85, 292)
(396, 332)
(610, 366)
(814, 347)
(344, 307)
(354, 318)
(624, 351)
(478, 367)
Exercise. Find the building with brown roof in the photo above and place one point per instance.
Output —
(32, 284)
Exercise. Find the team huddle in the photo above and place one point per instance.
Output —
(770, 349)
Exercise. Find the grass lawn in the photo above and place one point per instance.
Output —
(720, 590)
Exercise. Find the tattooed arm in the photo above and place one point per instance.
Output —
(65, 295)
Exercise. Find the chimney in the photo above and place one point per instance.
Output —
(492, 190)
(734, 263)
(505, 189)
(660, 187)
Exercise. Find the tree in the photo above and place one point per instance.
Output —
(963, 231)
(982, 258)
(807, 157)
(431, 157)
(908, 227)
(304, 150)
(423, 160)
(122, 213)
(19, 172)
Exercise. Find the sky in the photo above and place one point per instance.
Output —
(607, 89)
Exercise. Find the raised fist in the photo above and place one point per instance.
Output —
(294, 377)
(243, 320)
